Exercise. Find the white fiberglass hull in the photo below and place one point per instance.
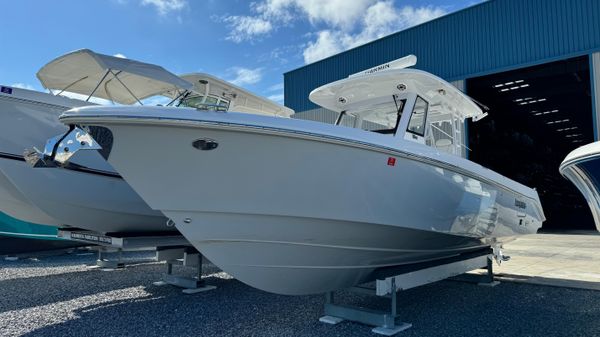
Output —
(582, 168)
(296, 207)
(94, 201)
(15, 204)
(298, 255)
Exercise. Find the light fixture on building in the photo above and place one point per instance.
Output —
(512, 85)
(567, 129)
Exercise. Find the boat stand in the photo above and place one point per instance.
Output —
(386, 323)
(123, 242)
(485, 279)
(174, 249)
(105, 263)
(183, 256)
(392, 280)
(109, 244)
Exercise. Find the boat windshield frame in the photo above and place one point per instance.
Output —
(357, 115)
(442, 128)
(222, 103)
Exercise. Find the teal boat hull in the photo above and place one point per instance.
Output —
(17, 237)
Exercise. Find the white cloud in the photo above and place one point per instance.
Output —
(414, 16)
(165, 7)
(245, 76)
(119, 55)
(379, 20)
(23, 86)
(277, 98)
(281, 55)
(246, 27)
(336, 13)
(275, 87)
(327, 44)
(344, 24)
(271, 14)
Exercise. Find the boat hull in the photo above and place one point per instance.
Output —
(293, 213)
(15, 204)
(17, 237)
(89, 201)
(297, 256)
(99, 201)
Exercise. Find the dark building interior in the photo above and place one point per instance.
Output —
(537, 116)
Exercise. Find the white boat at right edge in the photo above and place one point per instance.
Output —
(582, 167)
(299, 207)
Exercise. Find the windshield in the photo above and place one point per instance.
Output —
(201, 102)
(381, 117)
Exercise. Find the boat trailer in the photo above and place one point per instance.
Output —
(389, 281)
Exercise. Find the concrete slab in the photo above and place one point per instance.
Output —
(563, 260)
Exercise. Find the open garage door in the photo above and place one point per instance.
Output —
(537, 116)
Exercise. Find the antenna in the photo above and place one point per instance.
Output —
(401, 63)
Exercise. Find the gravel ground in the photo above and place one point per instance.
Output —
(59, 296)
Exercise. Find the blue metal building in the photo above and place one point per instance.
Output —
(491, 37)
(550, 47)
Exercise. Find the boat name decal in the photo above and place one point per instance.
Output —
(6, 90)
(520, 204)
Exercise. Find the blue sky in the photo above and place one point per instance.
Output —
(249, 43)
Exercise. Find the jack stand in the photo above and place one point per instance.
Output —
(488, 280)
(191, 258)
(389, 281)
(106, 264)
(483, 280)
(386, 323)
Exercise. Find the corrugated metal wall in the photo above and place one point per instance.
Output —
(318, 115)
(595, 79)
(494, 36)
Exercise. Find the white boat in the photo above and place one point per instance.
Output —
(582, 167)
(88, 193)
(299, 207)
(214, 94)
(28, 118)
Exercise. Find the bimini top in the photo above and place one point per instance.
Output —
(120, 80)
(356, 90)
(208, 89)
